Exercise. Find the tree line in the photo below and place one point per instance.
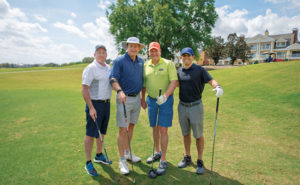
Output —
(51, 64)
(234, 48)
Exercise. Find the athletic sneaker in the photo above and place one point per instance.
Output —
(123, 167)
(162, 168)
(200, 167)
(135, 159)
(102, 159)
(90, 169)
(185, 162)
(154, 158)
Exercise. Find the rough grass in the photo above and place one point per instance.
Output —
(42, 125)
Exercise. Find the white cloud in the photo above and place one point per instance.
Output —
(70, 29)
(103, 4)
(27, 42)
(70, 22)
(73, 15)
(291, 2)
(40, 18)
(98, 33)
(237, 21)
(7, 12)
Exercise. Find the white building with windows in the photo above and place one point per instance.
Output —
(280, 47)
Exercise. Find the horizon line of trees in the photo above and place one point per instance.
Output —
(51, 64)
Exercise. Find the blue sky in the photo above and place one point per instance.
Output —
(43, 31)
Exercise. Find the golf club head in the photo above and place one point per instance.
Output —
(152, 174)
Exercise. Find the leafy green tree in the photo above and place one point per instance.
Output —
(175, 24)
(244, 51)
(231, 47)
(87, 59)
(216, 50)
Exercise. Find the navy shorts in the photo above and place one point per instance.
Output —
(165, 115)
(103, 111)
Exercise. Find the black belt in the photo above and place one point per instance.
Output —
(190, 104)
(132, 95)
(102, 101)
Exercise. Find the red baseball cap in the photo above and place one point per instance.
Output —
(154, 45)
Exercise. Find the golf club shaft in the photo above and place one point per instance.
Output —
(102, 142)
(126, 124)
(155, 129)
(215, 130)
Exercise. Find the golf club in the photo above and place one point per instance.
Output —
(212, 160)
(152, 174)
(126, 124)
(112, 173)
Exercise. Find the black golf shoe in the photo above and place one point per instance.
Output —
(200, 167)
(185, 162)
(154, 158)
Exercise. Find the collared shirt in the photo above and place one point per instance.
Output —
(192, 82)
(158, 76)
(96, 77)
(128, 73)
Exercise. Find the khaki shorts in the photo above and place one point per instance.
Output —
(133, 107)
(191, 117)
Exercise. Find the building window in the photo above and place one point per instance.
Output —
(295, 53)
(281, 55)
(253, 55)
(266, 46)
(253, 47)
(281, 44)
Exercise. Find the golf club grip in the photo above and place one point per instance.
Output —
(217, 108)
(159, 92)
(124, 110)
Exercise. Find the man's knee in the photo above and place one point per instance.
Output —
(163, 131)
(122, 131)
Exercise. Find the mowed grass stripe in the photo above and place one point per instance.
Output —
(42, 124)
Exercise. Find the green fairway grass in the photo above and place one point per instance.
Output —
(42, 126)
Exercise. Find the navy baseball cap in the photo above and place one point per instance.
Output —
(188, 51)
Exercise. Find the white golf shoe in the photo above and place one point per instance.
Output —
(123, 167)
(135, 159)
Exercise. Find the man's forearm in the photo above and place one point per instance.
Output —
(86, 97)
(171, 88)
(115, 85)
(143, 93)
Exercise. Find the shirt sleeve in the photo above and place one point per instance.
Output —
(87, 76)
(115, 71)
(206, 76)
(172, 71)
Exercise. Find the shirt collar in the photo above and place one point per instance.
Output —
(159, 62)
(190, 68)
(98, 65)
(129, 58)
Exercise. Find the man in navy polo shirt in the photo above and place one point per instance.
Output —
(192, 79)
(127, 79)
(96, 92)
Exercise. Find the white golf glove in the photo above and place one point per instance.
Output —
(161, 99)
(219, 91)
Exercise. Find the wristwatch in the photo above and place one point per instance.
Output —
(119, 90)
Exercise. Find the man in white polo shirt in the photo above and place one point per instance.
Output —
(96, 91)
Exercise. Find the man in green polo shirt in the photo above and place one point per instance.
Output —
(159, 73)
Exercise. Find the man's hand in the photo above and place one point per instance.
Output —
(143, 104)
(93, 114)
(161, 99)
(219, 91)
(122, 97)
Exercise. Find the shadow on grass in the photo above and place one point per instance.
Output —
(174, 175)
